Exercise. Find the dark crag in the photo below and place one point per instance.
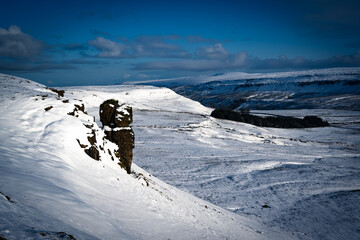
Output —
(116, 120)
(271, 121)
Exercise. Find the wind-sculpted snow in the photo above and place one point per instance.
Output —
(305, 182)
(277, 183)
(51, 189)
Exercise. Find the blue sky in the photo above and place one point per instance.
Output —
(106, 42)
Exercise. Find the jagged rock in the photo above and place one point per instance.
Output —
(89, 125)
(77, 108)
(116, 120)
(124, 138)
(60, 93)
(80, 108)
(81, 145)
(93, 152)
(107, 112)
(114, 115)
(123, 116)
(92, 138)
(121, 136)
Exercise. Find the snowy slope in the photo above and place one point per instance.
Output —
(278, 183)
(303, 181)
(50, 189)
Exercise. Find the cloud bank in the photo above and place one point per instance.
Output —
(242, 61)
(22, 52)
(142, 46)
(16, 44)
(109, 49)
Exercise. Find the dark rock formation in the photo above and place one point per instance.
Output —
(48, 108)
(80, 108)
(76, 110)
(92, 137)
(93, 152)
(107, 112)
(124, 138)
(273, 121)
(56, 235)
(116, 120)
(60, 93)
(92, 149)
(114, 115)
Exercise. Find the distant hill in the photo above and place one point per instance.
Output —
(337, 88)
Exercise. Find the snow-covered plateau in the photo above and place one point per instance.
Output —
(195, 177)
(335, 88)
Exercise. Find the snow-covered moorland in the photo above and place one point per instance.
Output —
(335, 88)
(50, 189)
(253, 183)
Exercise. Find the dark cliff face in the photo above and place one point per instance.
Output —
(116, 120)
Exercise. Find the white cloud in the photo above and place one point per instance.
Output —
(217, 51)
(126, 76)
(208, 58)
(157, 47)
(188, 65)
(108, 48)
(16, 44)
(239, 59)
(142, 46)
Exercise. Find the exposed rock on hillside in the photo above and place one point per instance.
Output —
(60, 93)
(116, 120)
(273, 121)
(77, 109)
(93, 152)
(91, 147)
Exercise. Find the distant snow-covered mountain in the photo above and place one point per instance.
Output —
(328, 88)
(335, 88)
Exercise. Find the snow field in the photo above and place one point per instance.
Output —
(55, 187)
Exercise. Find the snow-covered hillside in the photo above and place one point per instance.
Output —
(50, 189)
(273, 183)
(337, 88)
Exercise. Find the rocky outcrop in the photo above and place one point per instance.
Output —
(91, 148)
(77, 109)
(114, 115)
(60, 93)
(116, 120)
(93, 152)
(271, 121)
